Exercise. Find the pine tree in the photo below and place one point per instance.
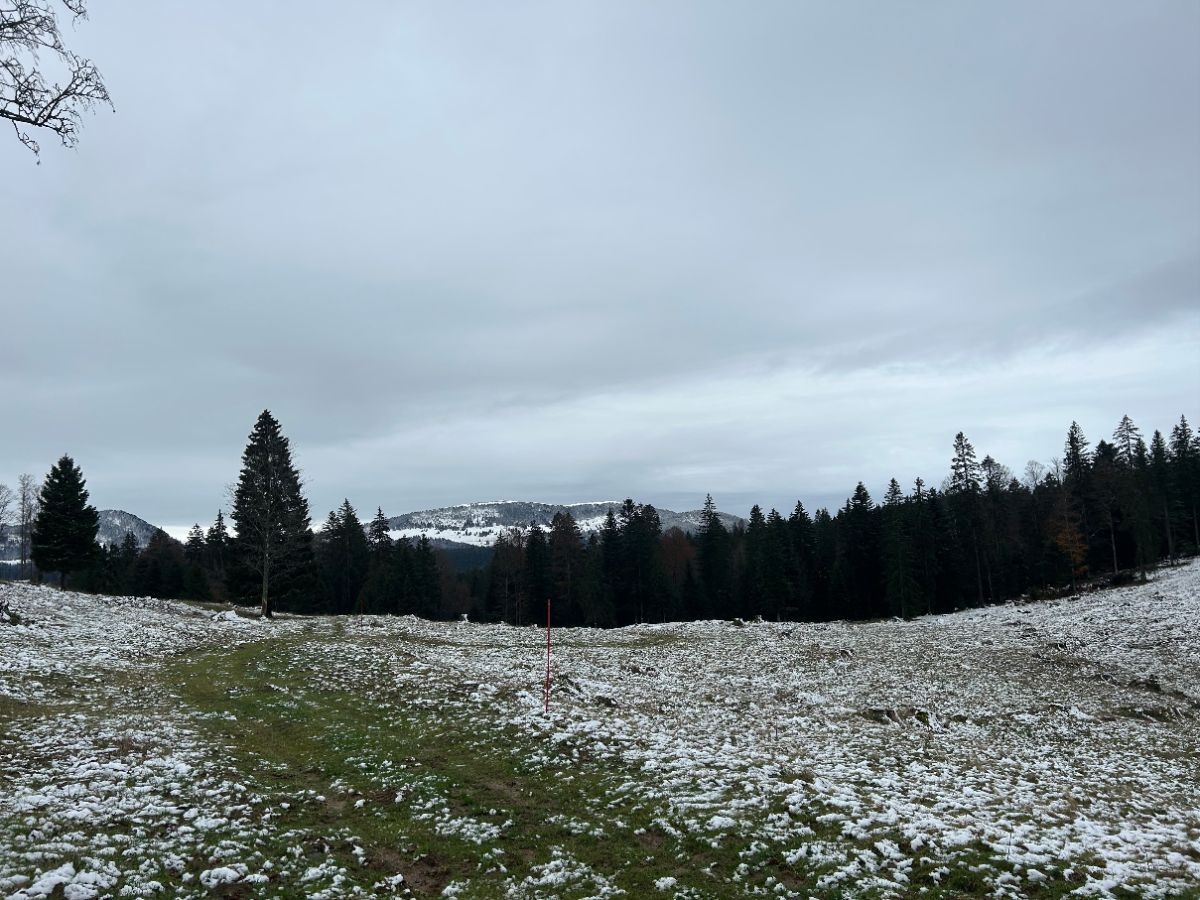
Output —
(64, 531)
(271, 516)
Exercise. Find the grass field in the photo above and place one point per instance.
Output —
(159, 749)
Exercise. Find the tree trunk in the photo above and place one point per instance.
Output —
(266, 602)
(978, 569)
(1112, 539)
(1170, 538)
(62, 581)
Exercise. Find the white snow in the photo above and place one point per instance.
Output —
(1028, 743)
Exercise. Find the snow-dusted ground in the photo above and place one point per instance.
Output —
(1044, 741)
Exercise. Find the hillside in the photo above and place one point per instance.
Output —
(1016, 751)
(113, 525)
(478, 524)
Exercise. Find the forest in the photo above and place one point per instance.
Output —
(984, 535)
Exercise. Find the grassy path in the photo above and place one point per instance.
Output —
(386, 783)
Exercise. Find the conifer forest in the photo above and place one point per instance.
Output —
(1101, 513)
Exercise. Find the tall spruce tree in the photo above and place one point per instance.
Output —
(899, 563)
(270, 513)
(64, 531)
(343, 556)
(566, 569)
(216, 556)
(1161, 489)
(966, 477)
(716, 562)
(539, 581)
(1185, 461)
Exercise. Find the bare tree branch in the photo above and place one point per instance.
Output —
(29, 32)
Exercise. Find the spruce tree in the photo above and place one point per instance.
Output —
(538, 576)
(754, 574)
(64, 531)
(1126, 439)
(1185, 462)
(194, 546)
(378, 534)
(1161, 487)
(780, 570)
(566, 566)
(966, 477)
(380, 587)
(124, 561)
(216, 556)
(716, 562)
(427, 579)
(900, 582)
(271, 516)
(343, 555)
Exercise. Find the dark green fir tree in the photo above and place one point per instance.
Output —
(64, 532)
(271, 517)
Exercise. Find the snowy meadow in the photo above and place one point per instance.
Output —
(159, 749)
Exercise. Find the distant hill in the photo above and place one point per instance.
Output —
(113, 524)
(478, 524)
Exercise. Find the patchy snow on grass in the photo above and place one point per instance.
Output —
(1017, 745)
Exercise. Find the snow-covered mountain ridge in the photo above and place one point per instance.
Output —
(479, 524)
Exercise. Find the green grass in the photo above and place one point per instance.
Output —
(383, 745)
(298, 732)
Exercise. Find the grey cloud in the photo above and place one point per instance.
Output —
(422, 217)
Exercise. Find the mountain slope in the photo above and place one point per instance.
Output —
(478, 524)
(113, 524)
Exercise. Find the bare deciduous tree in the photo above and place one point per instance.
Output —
(30, 98)
(6, 499)
(27, 510)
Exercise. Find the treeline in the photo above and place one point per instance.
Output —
(347, 570)
(985, 535)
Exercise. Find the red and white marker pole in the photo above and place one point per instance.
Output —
(547, 656)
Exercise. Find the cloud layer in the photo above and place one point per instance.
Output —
(584, 251)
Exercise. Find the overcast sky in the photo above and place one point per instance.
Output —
(577, 251)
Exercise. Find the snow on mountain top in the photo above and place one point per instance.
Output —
(479, 524)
